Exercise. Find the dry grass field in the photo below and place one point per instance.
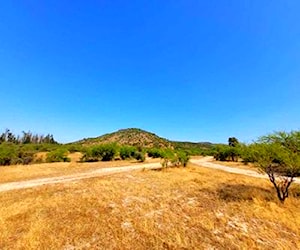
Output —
(42, 170)
(179, 208)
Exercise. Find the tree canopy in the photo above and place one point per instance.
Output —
(278, 155)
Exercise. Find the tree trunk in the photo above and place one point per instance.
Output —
(282, 188)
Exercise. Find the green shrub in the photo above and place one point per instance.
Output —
(227, 153)
(140, 156)
(25, 155)
(155, 153)
(8, 154)
(169, 158)
(11, 154)
(58, 155)
(72, 148)
(104, 152)
(127, 152)
(183, 158)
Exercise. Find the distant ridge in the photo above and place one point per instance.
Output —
(130, 136)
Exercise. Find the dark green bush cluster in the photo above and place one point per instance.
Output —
(130, 152)
(127, 152)
(139, 156)
(155, 153)
(227, 153)
(103, 152)
(11, 154)
(108, 152)
(16, 149)
(58, 155)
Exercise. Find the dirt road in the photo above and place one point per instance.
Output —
(208, 162)
(203, 162)
(75, 177)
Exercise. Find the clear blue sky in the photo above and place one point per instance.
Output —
(183, 69)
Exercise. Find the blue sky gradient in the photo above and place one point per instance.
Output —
(185, 70)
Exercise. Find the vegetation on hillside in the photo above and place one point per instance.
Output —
(130, 137)
(194, 148)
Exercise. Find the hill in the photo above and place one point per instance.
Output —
(131, 136)
(141, 138)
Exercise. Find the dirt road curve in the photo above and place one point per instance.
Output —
(74, 177)
(208, 162)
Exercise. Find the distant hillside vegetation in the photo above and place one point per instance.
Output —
(194, 148)
(131, 136)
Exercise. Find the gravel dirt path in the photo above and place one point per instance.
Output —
(208, 163)
(75, 177)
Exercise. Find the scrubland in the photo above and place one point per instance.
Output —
(176, 208)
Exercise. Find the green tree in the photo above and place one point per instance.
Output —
(233, 142)
(278, 155)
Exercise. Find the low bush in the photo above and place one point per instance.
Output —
(140, 156)
(8, 154)
(155, 153)
(127, 152)
(58, 155)
(104, 152)
(11, 154)
(173, 158)
(72, 148)
(183, 158)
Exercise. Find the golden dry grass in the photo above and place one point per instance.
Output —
(41, 170)
(185, 208)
